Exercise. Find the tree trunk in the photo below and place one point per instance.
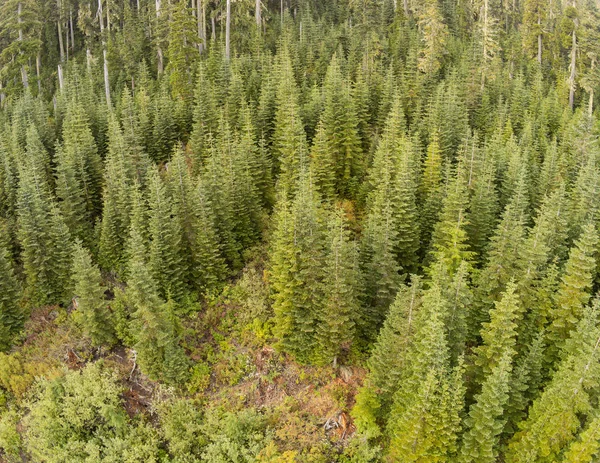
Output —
(281, 13)
(228, 30)
(106, 80)
(201, 29)
(61, 45)
(572, 68)
(213, 30)
(88, 59)
(72, 31)
(61, 82)
(38, 65)
(159, 52)
(24, 77)
(405, 5)
(257, 15)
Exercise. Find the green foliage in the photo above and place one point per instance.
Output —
(79, 416)
(92, 310)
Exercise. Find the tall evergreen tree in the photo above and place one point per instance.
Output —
(11, 315)
(341, 298)
(92, 308)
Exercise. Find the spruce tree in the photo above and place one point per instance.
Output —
(340, 124)
(341, 305)
(427, 406)
(389, 353)
(165, 251)
(78, 174)
(296, 270)
(44, 239)
(92, 309)
(486, 415)
(156, 342)
(11, 315)
(555, 417)
(574, 291)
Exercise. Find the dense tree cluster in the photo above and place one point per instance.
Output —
(422, 179)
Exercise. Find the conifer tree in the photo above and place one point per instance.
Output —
(340, 124)
(120, 173)
(296, 270)
(485, 422)
(43, 237)
(499, 334)
(341, 305)
(407, 222)
(503, 255)
(290, 152)
(209, 269)
(449, 243)
(79, 174)
(430, 190)
(378, 258)
(586, 448)
(389, 354)
(321, 165)
(92, 309)
(427, 406)
(555, 417)
(158, 352)
(11, 315)
(574, 291)
(165, 251)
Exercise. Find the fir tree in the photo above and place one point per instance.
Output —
(165, 252)
(156, 343)
(574, 291)
(389, 353)
(485, 422)
(341, 306)
(11, 315)
(92, 309)
(340, 124)
(296, 270)
(79, 174)
(427, 406)
(555, 417)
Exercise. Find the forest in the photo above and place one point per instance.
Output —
(276, 231)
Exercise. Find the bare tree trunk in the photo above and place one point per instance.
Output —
(228, 30)
(38, 65)
(572, 68)
(61, 82)
(106, 80)
(159, 51)
(2, 95)
(24, 77)
(281, 13)
(405, 5)
(88, 58)
(257, 14)
(61, 45)
(213, 31)
(72, 31)
(67, 44)
(201, 29)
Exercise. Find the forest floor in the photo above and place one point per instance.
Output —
(232, 367)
